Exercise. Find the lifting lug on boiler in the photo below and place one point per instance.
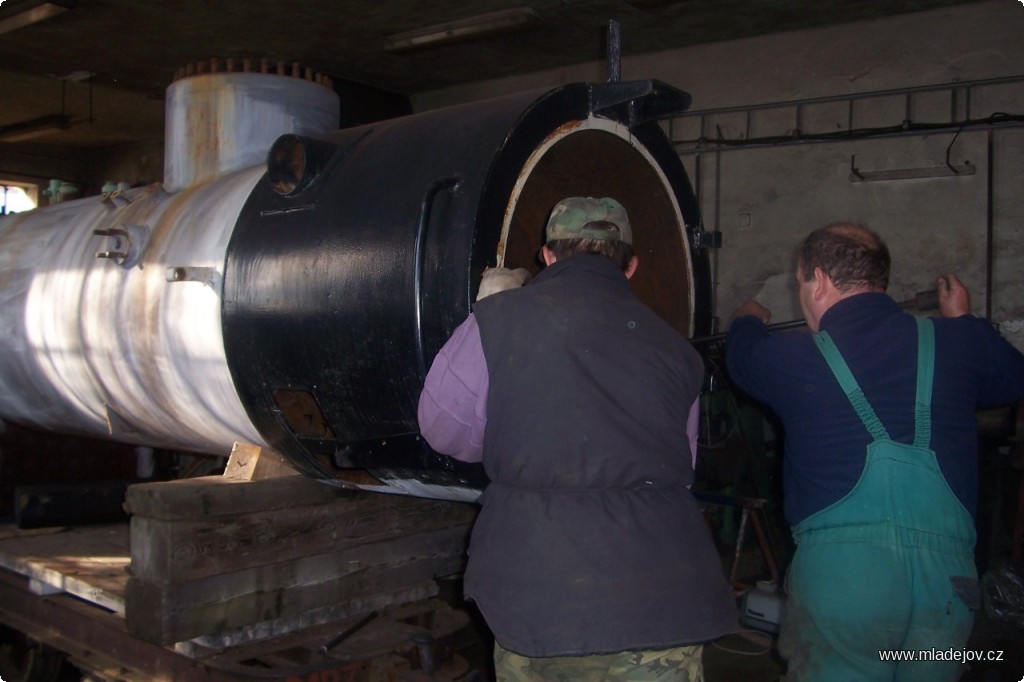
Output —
(127, 244)
(117, 198)
(181, 273)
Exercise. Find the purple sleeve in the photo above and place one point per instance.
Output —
(693, 429)
(452, 410)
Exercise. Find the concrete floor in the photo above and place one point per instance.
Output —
(733, 659)
(746, 657)
(755, 657)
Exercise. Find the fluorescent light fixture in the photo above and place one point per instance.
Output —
(461, 29)
(78, 76)
(30, 15)
(37, 127)
(654, 4)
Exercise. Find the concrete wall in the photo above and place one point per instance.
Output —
(765, 198)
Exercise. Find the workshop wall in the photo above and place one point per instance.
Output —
(765, 197)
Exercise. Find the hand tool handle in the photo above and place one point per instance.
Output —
(923, 301)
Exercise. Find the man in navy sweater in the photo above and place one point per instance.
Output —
(880, 465)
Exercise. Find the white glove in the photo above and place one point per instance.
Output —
(499, 279)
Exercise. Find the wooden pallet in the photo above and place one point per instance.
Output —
(90, 562)
(384, 648)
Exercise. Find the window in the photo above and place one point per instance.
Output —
(16, 197)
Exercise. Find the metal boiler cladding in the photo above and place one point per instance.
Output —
(298, 307)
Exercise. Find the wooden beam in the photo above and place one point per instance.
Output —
(209, 496)
(165, 613)
(215, 555)
(188, 549)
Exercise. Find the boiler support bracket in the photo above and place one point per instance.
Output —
(637, 102)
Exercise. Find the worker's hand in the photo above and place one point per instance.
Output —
(754, 308)
(954, 299)
(499, 279)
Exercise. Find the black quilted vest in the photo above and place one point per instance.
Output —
(589, 540)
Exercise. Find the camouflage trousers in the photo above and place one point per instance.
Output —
(680, 664)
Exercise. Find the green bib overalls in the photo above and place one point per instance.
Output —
(880, 569)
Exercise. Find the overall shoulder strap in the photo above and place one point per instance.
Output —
(849, 385)
(925, 374)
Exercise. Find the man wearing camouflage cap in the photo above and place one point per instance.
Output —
(590, 559)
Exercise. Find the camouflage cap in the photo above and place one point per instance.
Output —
(572, 218)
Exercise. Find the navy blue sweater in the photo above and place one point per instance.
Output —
(825, 441)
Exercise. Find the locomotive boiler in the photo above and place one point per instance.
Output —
(288, 284)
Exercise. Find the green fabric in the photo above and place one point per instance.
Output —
(601, 218)
(874, 570)
(925, 376)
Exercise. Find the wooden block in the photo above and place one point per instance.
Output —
(181, 550)
(250, 462)
(171, 612)
(209, 496)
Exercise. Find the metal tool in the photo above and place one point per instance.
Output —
(424, 642)
(325, 650)
(923, 301)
